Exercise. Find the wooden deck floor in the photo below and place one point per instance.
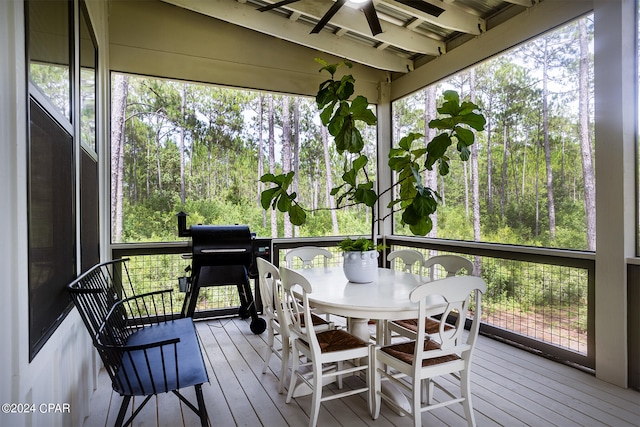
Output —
(510, 387)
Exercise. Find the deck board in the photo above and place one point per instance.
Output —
(511, 387)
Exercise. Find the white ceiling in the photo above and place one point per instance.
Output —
(409, 37)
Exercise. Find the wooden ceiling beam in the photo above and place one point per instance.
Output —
(353, 20)
(453, 18)
(248, 16)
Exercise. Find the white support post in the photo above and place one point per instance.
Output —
(615, 124)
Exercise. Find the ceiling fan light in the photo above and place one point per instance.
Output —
(358, 1)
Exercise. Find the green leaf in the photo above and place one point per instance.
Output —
(436, 149)
(335, 190)
(443, 166)
(465, 153)
(350, 177)
(368, 197)
(398, 163)
(474, 120)
(396, 152)
(325, 115)
(442, 124)
(452, 96)
(419, 153)
(289, 178)
(284, 203)
(407, 140)
(324, 95)
(465, 136)
(410, 216)
(266, 196)
(360, 162)
(345, 88)
(297, 215)
(268, 177)
(359, 104)
(468, 107)
(366, 116)
(422, 227)
(336, 125)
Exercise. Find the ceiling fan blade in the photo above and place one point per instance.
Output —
(327, 16)
(275, 5)
(372, 18)
(423, 6)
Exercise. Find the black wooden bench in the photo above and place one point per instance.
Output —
(145, 348)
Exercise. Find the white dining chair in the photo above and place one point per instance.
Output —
(410, 258)
(307, 255)
(448, 265)
(332, 354)
(277, 323)
(430, 357)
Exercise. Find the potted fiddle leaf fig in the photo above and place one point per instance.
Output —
(342, 112)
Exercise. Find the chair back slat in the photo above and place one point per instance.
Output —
(451, 299)
(296, 307)
(307, 254)
(410, 260)
(95, 292)
(450, 265)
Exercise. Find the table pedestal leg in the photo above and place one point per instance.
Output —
(360, 328)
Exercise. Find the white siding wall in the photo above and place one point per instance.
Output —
(65, 369)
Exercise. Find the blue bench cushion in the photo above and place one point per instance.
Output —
(145, 373)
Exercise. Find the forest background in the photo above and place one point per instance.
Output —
(179, 146)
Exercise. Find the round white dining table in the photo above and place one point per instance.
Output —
(385, 298)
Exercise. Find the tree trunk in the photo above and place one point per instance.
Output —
(272, 159)
(119, 107)
(475, 180)
(296, 151)
(505, 150)
(286, 154)
(182, 110)
(431, 177)
(134, 155)
(329, 181)
(261, 158)
(489, 161)
(158, 166)
(547, 146)
(466, 189)
(585, 139)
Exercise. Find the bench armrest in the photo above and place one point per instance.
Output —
(148, 308)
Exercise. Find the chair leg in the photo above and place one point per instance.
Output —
(317, 394)
(284, 366)
(268, 351)
(123, 410)
(465, 391)
(375, 385)
(202, 409)
(294, 368)
(416, 402)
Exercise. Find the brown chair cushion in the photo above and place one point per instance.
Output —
(317, 320)
(431, 326)
(404, 352)
(337, 340)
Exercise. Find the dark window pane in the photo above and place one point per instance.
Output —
(52, 259)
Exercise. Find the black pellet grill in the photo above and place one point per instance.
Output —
(221, 256)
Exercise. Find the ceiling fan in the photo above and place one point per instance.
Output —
(367, 7)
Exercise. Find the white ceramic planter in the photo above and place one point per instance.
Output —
(361, 267)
